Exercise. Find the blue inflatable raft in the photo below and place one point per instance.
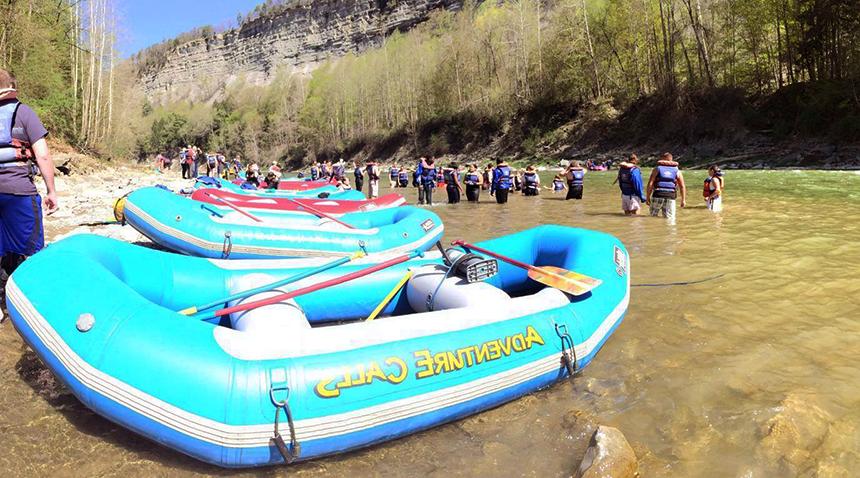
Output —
(196, 228)
(265, 387)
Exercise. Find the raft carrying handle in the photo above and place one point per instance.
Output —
(292, 452)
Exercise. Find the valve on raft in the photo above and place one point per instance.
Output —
(471, 267)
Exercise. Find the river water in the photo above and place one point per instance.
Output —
(753, 374)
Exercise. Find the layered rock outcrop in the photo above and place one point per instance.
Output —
(297, 39)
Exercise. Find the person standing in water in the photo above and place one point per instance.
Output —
(575, 180)
(629, 179)
(713, 189)
(359, 176)
(664, 185)
(557, 184)
(487, 179)
(452, 183)
(22, 146)
(428, 180)
(531, 182)
(393, 175)
(502, 181)
(403, 178)
(474, 183)
(372, 171)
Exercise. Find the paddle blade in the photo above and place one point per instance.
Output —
(571, 282)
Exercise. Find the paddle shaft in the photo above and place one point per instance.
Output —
(390, 295)
(273, 285)
(497, 256)
(319, 213)
(316, 287)
(234, 207)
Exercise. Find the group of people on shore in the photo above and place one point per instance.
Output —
(194, 162)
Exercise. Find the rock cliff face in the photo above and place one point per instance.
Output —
(297, 40)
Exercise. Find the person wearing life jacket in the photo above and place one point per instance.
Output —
(416, 178)
(575, 180)
(664, 186)
(372, 170)
(531, 182)
(429, 176)
(403, 178)
(518, 181)
(502, 181)
(713, 189)
(359, 176)
(393, 175)
(629, 179)
(315, 171)
(557, 184)
(22, 148)
(474, 182)
(452, 183)
(338, 171)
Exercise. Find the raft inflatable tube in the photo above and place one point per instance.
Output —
(101, 315)
(329, 206)
(325, 192)
(199, 229)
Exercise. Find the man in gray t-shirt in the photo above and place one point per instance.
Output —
(22, 143)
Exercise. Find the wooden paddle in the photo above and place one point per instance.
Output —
(571, 282)
(313, 288)
(319, 213)
(234, 207)
(289, 280)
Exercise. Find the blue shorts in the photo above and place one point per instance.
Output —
(21, 224)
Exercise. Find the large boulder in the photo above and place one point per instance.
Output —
(608, 456)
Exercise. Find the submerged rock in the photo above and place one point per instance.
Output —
(794, 436)
(609, 455)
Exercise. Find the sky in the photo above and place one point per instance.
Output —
(146, 22)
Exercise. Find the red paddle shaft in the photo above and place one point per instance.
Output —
(316, 287)
(319, 213)
(235, 208)
(497, 256)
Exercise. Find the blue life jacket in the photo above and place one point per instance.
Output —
(315, 173)
(403, 176)
(393, 172)
(504, 181)
(577, 177)
(448, 174)
(625, 181)
(472, 179)
(428, 176)
(665, 181)
(530, 180)
(359, 174)
(12, 151)
(557, 185)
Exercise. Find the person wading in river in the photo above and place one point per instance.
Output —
(474, 183)
(713, 190)
(23, 148)
(531, 182)
(452, 183)
(575, 180)
(428, 181)
(359, 176)
(664, 185)
(502, 181)
(629, 179)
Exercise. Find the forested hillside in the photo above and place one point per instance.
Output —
(62, 53)
(689, 68)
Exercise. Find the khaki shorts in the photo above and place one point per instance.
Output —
(374, 188)
(663, 207)
(630, 203)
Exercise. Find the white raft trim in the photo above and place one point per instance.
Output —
(270, 251)
(253, 436)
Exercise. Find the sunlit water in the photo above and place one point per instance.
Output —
(753, 374)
